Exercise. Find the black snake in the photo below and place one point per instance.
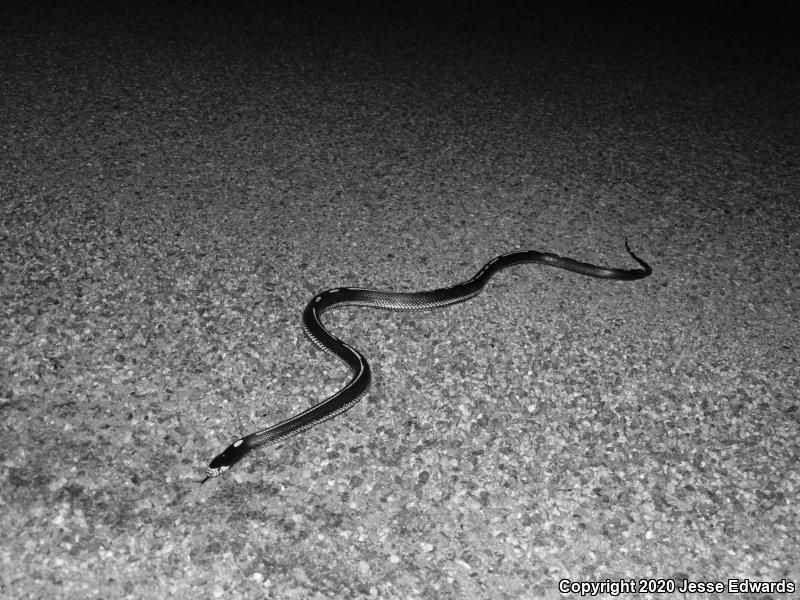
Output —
(358, 385)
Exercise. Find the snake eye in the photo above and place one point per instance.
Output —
(225, 460)
(229, 457)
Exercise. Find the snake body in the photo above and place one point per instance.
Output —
(359, 383)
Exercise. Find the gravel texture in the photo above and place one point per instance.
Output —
(177, 180)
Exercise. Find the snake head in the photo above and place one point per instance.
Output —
(224, 461)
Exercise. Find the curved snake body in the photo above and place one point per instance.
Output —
(359, 384)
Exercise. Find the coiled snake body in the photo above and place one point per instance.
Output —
(358, 385)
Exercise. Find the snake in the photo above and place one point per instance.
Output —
(358, 386)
